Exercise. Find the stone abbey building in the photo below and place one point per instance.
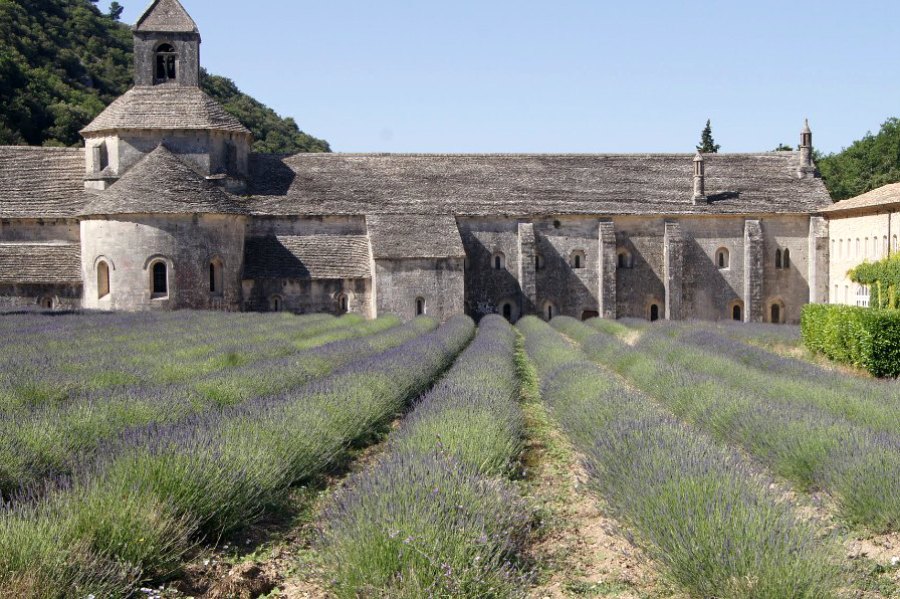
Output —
(166, 207)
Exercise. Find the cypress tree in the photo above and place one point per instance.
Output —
(707, 144)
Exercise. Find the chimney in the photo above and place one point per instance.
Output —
(699, 179)
(807, 167)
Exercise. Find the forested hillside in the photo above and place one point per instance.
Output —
(63, 61)
(868, 163)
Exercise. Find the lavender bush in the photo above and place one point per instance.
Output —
(694, 506)
(41, 443)
(799, 440)
(212, 473)
(435, 517)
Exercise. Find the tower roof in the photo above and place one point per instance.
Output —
(162, 184)
(166, 16)
(165, 107)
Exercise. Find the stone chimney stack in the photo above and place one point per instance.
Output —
(699, 179)
(807, 168)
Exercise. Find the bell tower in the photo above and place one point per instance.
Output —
(166, 46)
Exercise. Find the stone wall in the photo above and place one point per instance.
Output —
(39, 230)
(45, 297)
(187, 45)
(399, 283)
(307, 225)
(304, 296)
(186, 244)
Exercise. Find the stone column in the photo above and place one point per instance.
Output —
(673, 266)
(818, 260)
(606, 295)
(527, 269)
(754, 252)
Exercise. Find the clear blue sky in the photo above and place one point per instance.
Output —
(559, 76)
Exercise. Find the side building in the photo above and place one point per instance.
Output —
(167, 207)
(861, 229)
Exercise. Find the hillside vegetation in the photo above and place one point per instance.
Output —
(63, 61)
(866, 164)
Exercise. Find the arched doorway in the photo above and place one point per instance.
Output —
(654, 312)
(775, 314)
(736, 313)
(507, 312)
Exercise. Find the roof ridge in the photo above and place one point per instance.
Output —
(528, 154)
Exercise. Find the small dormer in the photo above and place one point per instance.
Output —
(166, 46)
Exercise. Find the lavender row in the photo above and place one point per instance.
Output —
(39, 445)
(815, 449)
(435, 516)
(695, 507)
(134, 515)
(49, 371)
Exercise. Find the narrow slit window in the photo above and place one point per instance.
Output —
(160, 280)
(420, 306)
(102, 279)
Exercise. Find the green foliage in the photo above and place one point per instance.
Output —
(865, 337)
(783, 148)
(63, 61)
(867, 164)
(707, 144)
(883, 280)
(272, 133)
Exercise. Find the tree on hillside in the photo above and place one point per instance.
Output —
(867, 164)
(115, 11)
(707, 144)
(783, 148)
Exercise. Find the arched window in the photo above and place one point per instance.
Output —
(166, 61)
(215, 277)
(420, 306)
(835, 299)
(343, 303)
(654, 312)
(46, 303)
(866, 247)
(722, 258)
(737, 313)
(624, 259)
(777, 258)
(577, 260)
(159, 280)
(549, 311)
(786, 259)
(894, 243)
(276, 303)
(857, 247)
(102, 279)
(499, 261)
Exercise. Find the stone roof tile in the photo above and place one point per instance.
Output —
(529, 184)
(887, 195)
(40, 263)
(166, 16)
(165, 107)
(307, 257)
(161, 183)
(41, 182)
(414, 236)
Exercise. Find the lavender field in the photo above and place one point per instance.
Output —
(272, 455)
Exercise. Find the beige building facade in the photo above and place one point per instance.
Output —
(862, 229)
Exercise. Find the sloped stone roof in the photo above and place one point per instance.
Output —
(887, 195)
(40, 263)
(529, 184)
(307, 257)
(161, 183)
(41, 182)
(165, 107)
(414, 236)
(167, 16)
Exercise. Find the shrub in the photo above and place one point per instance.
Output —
(864, 337)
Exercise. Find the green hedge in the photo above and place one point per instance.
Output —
(864, 337)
